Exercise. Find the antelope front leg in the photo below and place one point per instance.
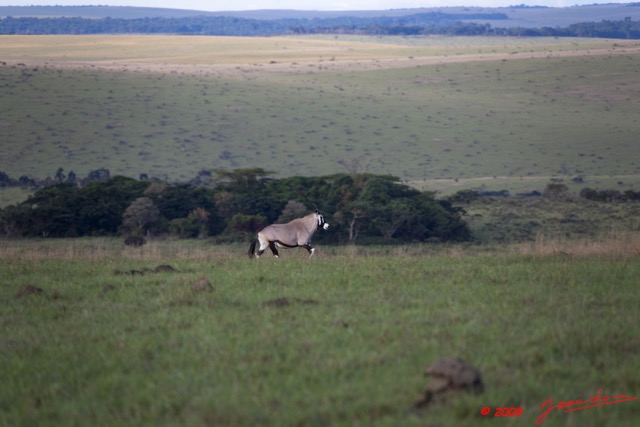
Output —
(310, 249)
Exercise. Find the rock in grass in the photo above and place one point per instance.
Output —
(449, 376)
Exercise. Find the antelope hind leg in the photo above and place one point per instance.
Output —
(274, 249)
(263, 247)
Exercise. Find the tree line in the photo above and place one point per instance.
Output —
(26, 181)
(553, 190)
(433, 23)
(233, 206)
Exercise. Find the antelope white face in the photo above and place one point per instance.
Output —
(321, 222)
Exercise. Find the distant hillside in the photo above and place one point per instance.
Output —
(518, 16)
(95, 12)
(537, 17)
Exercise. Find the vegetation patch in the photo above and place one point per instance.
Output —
(235, 207)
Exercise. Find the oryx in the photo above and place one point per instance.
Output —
(290, 235)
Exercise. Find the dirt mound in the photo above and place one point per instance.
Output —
(202, 285)
(131, 272)
(287, 301)
(449, 376)
(27, 290)
(162, 268)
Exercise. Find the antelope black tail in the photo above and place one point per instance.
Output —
(252, 248)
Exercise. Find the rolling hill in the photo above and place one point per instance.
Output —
(516, 16)
(442, 113)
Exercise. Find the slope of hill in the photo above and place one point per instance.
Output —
(564, 16)
(95, 12)
(476, 112)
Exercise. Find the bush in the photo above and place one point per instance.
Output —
(555, 190)
(464, 196)
(609, 195)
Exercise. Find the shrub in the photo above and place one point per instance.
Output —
(464, 196)
(555, 190)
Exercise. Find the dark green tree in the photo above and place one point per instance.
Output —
(51, 212)
(180, 201)
(102, 204)
(177, 201)
(60, 176)
(6, 180)
(14, 220)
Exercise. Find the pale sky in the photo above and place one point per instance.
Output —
(217, 5)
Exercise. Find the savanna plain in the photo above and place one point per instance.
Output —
(93, 332)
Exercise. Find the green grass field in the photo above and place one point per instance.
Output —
(437, 112)
(340, 340)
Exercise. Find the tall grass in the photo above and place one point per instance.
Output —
(614, 244)
(114, 248)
